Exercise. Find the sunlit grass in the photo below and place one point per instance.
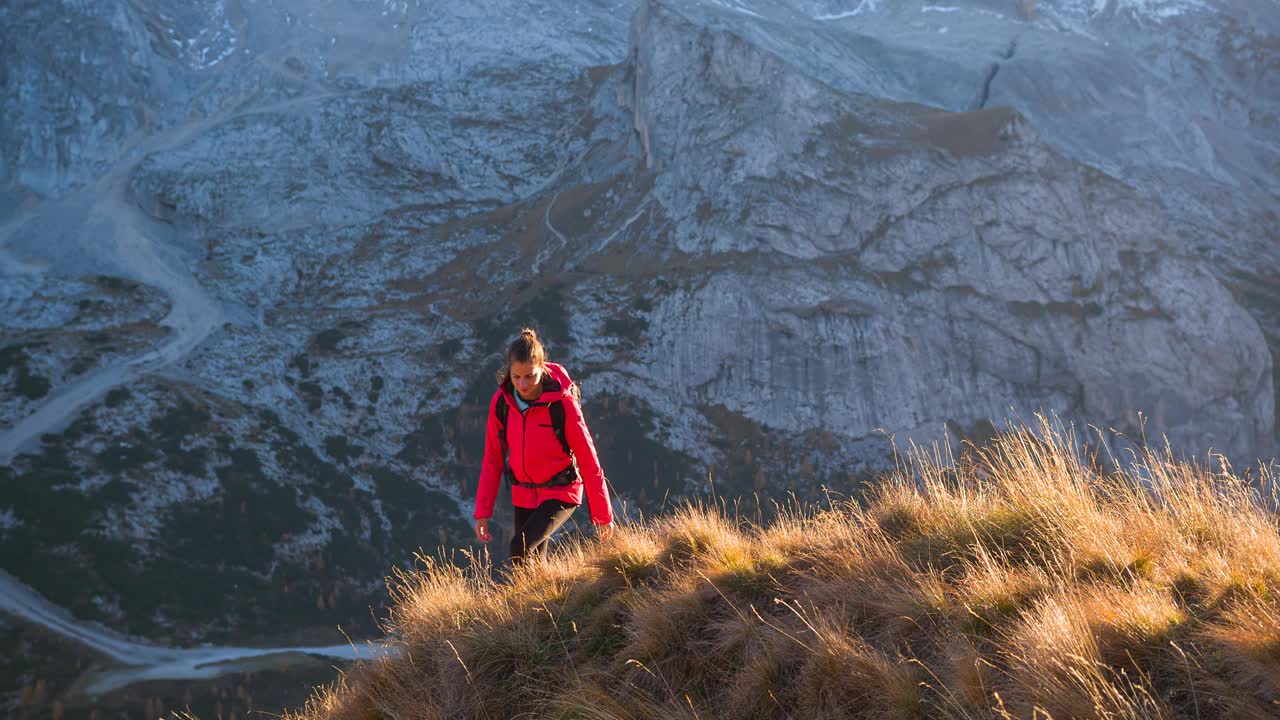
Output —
(1018, 582)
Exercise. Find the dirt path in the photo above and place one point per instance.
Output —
(138, 661)
(117, 229)
(110, 225)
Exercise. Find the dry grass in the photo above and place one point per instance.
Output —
(1018, 582)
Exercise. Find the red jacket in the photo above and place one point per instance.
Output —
(537, 455)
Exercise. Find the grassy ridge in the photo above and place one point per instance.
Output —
(1015, 582)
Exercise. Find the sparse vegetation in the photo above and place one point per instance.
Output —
(341, 449)
(450, 348)
(30, 385)
(12, 356)
(302, 363)
(630, 329)
(212, 568)
(314, 395)
(1020, 580)
(25, 383)
(328, 340)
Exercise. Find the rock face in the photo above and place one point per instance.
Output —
(766, 236)
(914, 266)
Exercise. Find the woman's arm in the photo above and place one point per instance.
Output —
(490, 466)
(584, 451)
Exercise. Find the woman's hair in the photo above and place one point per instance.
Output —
(526, 348)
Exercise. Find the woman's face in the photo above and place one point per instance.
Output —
(527, 379)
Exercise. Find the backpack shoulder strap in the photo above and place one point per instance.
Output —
(557, 424)
(501, 410)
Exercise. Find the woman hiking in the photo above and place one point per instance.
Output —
(537, 439)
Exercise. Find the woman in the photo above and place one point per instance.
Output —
(537, 439)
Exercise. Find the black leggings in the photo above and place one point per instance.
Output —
(534, 527)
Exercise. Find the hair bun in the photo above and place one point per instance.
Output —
(525, 348)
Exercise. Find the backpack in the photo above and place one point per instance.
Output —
(570, 474)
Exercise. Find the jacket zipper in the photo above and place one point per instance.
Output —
(524, 443)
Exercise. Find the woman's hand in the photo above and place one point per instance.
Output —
(604, 531)
(482, 530)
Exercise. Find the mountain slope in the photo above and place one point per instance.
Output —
(1017, 581)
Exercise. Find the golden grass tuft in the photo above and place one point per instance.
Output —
(1132, 626)
(965, 679)
(1056, 669)
(1021, 581)
(843, 676)
(700, 537)
(631, 558)
(991, 593)
(1243, 648)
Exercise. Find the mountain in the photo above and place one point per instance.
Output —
(260, 259)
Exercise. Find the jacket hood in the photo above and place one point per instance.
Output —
(555, 383)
